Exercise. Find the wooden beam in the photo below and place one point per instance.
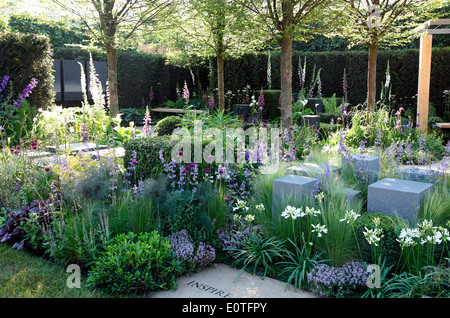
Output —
(423, 96)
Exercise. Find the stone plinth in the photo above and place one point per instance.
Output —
(363, 164)
(397, 197)
(290, 187)
(421, 174)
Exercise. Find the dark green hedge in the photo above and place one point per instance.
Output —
(139, 72)
(24, 56)
(404, 67)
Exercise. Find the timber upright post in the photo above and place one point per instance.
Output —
(423, 96)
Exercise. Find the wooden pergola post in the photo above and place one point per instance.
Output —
(426, 46)
(423, 96)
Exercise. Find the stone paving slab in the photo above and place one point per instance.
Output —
(218, 281)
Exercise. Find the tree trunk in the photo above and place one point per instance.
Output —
(112, 81)
(372, 77)
(220, 82)
(286, 81)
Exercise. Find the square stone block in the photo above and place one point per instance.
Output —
(397, 197)
(371, 164)
(351, 195)
(311, 121)
(421, 174)
(310, 169)
(290, 186)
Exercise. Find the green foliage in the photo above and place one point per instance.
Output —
(58, 31)
(76, 237)
(147, 148)
(251, 70)
(257, 251)
(390, 248)
(133, 213)
(132, 115)
(27, 56)
(135, 263)
(299, 264)
(167, 125)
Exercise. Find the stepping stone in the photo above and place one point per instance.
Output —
(38, 154)
(105, 153)
(397, 197)
(310, 169)
(290, 187)
(421, 174)
(76, 147)
(364, 162)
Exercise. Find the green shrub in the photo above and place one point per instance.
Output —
(167, 125)
(389, 246)
(135, 263)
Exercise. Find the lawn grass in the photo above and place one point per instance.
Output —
(23, 275)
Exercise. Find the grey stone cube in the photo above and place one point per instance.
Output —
(369, 164)
(311, 121)
(421, 174)
(352, 195)
(310, 169)
(402, 198)
(290, 186)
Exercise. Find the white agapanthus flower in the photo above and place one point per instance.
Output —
(240, 205)
(319, 229)
(292, 212)
(319, 197)
(260, 207)
(372, 236)
(350, 216)
(249, 218)
(311, 211)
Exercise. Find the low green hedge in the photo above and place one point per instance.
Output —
(149, 164)
(167, 125)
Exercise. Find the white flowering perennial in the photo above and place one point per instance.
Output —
(240, 205)
(292, 212)
(249, 218)
(373, 236)
(260, 207)
(319, 197)
(311, 211)
(425, 233)
(350, 216)
(407, 237)
(319, 229)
